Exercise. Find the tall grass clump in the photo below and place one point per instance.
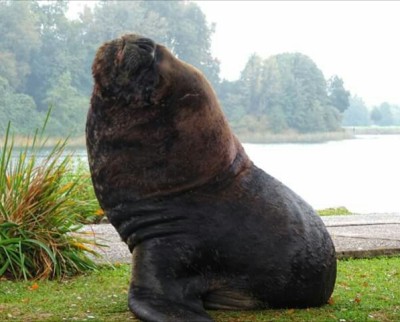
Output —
(85, 199)
(40, 212)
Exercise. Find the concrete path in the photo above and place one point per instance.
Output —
(357, 236)
(365, 235)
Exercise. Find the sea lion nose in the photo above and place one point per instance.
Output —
(146, 44)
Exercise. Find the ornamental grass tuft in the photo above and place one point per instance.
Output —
(41, 211)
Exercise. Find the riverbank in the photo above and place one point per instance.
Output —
(372, 130)
(248, 137)
(47, 142)
(347, 133)
(294, 137)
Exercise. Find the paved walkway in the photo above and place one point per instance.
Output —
(356, 236)
(365, 235)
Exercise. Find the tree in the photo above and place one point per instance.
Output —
(48, 57)
(187, 34)
(376, 115)
(386, 114)
(357, 113)
(16, 108)
(396, 114)
(58, 51)
(69, 107)
(337, 94)
(19, 39)
(249, 84)
(294, 84)
(286, 91)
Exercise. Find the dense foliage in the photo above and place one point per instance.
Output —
(45, 60)
(358, 114)
(285, 91)
(386, 114)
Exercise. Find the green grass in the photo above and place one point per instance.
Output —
(338, 211)
(85, 199)
(366, 290)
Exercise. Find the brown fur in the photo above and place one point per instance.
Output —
(184, 138)
(207, 228)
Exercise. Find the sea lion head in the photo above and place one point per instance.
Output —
(155, 125)
(125, 66)
(139, 72)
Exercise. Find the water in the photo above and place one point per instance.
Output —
(362, 174)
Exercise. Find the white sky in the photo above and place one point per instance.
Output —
(357, 40)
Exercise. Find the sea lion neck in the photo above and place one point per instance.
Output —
(163, 150)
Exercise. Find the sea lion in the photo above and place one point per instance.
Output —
(207, 229)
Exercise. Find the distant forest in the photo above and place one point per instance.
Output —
(45, 60)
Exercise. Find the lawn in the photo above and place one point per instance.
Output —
(366, 290)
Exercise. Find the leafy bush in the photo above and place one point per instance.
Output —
(40, 213)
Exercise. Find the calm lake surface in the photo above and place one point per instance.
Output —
(362, 174)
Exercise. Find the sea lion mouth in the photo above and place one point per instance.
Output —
(135, 53)
(125, 68)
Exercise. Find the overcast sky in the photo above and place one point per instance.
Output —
(357, 40)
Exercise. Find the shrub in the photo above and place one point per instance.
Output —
(39, 213)
(86, 202)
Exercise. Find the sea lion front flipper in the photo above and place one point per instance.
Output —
(165, 286)
(170, 305)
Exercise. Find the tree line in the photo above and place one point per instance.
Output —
(286, 91)
(358, 114)
(45, 60)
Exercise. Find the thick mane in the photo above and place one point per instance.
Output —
(173, 137)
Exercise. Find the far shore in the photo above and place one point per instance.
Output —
(292, 137)
(346, 133)
(373, 130)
